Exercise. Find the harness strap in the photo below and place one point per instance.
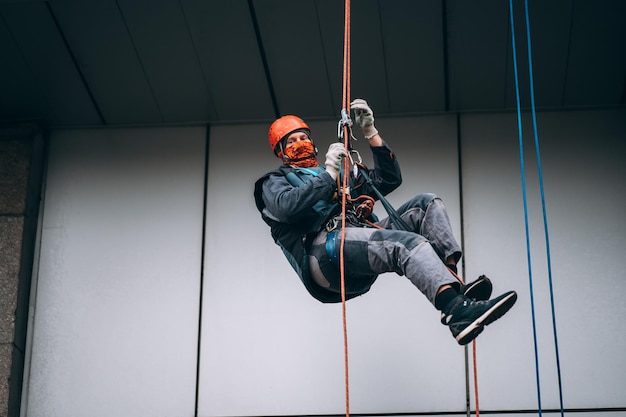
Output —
(332, 247)
(393, 214)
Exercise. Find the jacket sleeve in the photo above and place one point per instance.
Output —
(386, 175)
(289, 204)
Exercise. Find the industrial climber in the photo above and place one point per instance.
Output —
(299, 201)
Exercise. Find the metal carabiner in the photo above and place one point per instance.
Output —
(353, 164)
(331, 224)
(345, 121)
(359, 159)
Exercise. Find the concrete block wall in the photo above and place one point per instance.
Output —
(21, 161)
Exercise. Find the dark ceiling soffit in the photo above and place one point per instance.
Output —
(446, 74)
(266, 68)
(75, 62)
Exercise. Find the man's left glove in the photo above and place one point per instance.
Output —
(364, 117)
(336, 151)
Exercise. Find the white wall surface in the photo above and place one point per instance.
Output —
(117, 306)
(116, 312)
(583, 155)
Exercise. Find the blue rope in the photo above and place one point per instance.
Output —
(543, 205)
(523, 174)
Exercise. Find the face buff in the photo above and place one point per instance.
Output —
(301, 154)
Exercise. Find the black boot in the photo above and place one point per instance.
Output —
(467, 318)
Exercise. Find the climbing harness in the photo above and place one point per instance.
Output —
(543, 204)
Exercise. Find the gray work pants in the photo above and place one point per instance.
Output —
(417, 254)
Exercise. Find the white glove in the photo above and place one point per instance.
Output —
(364, 117)
(336, 151)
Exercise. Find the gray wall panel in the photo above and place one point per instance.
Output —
(116, 313)
(118, 287)
(583, 159)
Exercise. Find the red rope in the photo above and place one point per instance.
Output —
(475, 366)
(345, 105)
(475, 378)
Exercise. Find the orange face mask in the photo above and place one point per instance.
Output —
(301, 154)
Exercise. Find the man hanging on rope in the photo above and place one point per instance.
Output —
(299, 201)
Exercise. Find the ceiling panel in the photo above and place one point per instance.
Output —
(105, 53)
(161, 36)
(478, 44)
(19, 99)
(330, 14)
(549, 28)
(414, 54)
(597, 61)
(292, 41)
(369, 77)
(162, 62)
(227, 47)
(63, 93)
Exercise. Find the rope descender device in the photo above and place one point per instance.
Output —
(346, 121)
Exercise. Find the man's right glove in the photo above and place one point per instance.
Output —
(336, 151)
(364, 117)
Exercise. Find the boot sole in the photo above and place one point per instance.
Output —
(494, 313)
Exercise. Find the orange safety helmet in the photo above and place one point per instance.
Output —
(281, 128)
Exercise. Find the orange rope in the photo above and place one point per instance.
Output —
(345, 105)
(475, 378)
(475, 367)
